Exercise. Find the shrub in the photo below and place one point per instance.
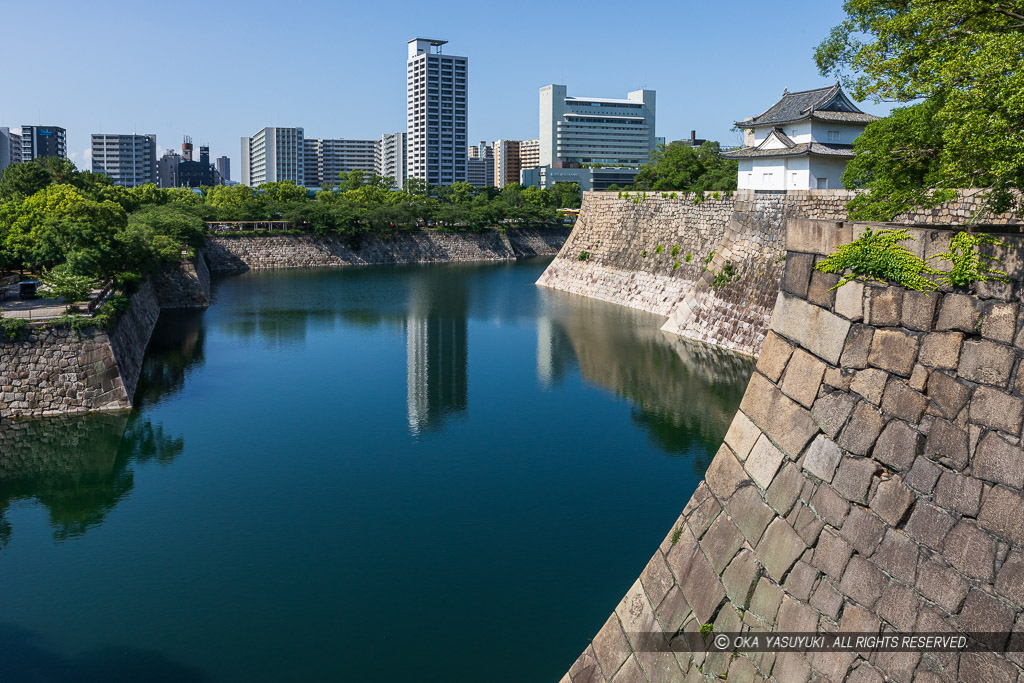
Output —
(968, 266)
(643, 254)
(676, 533)
(673, 195)
(877, 255)
(689, 257)
(61, 282)
(706, 630)
(675, 250)
(675, 266)
(14, 329)
(584, 255)
(658, 249)
(725, 277)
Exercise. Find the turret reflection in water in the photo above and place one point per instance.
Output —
(684, 393)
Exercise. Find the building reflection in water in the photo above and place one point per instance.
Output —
(437, 349)
(684, 393)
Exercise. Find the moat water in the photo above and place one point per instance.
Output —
(429, 473)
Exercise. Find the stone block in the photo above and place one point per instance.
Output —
(922, 476)
(784, 489)
(787, 423)
(919, 378)
(750, 513)
(948, 395)
(941, 350)
(779, 549)
(831, 411)
(850, 301)
(673, 610)
(998, 320)
(894, 351)
(763, 462)
(941, 585)
(775, 353)
(827, 600)
(970, 550)
(865, 673)
(657, 579)
(986, 362)
(883, 306)
(898, 666)
(797, 276)
(702, 588)
(996, 409)
(897, 555)
(857, 619)
(959, 493)
(870, 384)
(983, 613)
(742, 435)
(862, 582)
(721, 542)
(899, 606)
(928, 526)
(585, 669)
(740, 578)
(903, 402)
(800, 583)
(820, 291)
(830, 506)
(700, 514)
(999, 461)
(1010, 580)
(742, 670)
(766, 600)
(838, 379)
(862, 530)
(819, 331)
(791, 667)
(982, 666)
(959, 312)
(803, 378)
(862, 430)
(946, 443)
(918, 310)
(725, 474)
(611, 647)
(853, 480)
(857, 347)
(892, 499)
(795, 616)
(1001, 514)
(806, 524)
(822, 458)
(898, 445)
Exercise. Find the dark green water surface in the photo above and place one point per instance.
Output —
(423, 473)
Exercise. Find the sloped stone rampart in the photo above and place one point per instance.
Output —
(725, 292)
(242, 252)
(872, 481)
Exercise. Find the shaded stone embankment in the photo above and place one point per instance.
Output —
(872, 482)
(57, 370)
(712, 267)
(243, 252)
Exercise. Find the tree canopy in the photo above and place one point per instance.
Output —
(679, 166)
(960, 65)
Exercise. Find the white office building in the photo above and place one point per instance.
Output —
(436, 113)
(129, 160)
(480, 168)
(391, 159)
(325, 159)
(273, 155)
(802, 142)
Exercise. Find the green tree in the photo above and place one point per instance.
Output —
(964, 59)
(567, 195)
(679, 166)
(22, 180)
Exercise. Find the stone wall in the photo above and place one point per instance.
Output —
(60, 370)
(871, 482)
(242, 252)
(184, 285)
(743, 236)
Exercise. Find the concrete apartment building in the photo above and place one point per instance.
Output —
(511, 157)
(273, 155)
(31, 143)
(391, 160)
(167, 169)
(480, 165)
(617, 134)
(436, 113)
(326, 158)
(10, 148)
(129, 160)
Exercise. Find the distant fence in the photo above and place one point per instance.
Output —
(246, 226)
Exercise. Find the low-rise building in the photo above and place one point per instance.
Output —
(802, 142)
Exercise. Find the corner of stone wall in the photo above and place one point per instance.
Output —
(871, 482)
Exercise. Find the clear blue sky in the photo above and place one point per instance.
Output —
(221, 70)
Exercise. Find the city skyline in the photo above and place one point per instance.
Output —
(705, 70)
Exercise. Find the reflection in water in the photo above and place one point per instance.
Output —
(76, 467)
(437, 349)
(175, 347)
(684, 393)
